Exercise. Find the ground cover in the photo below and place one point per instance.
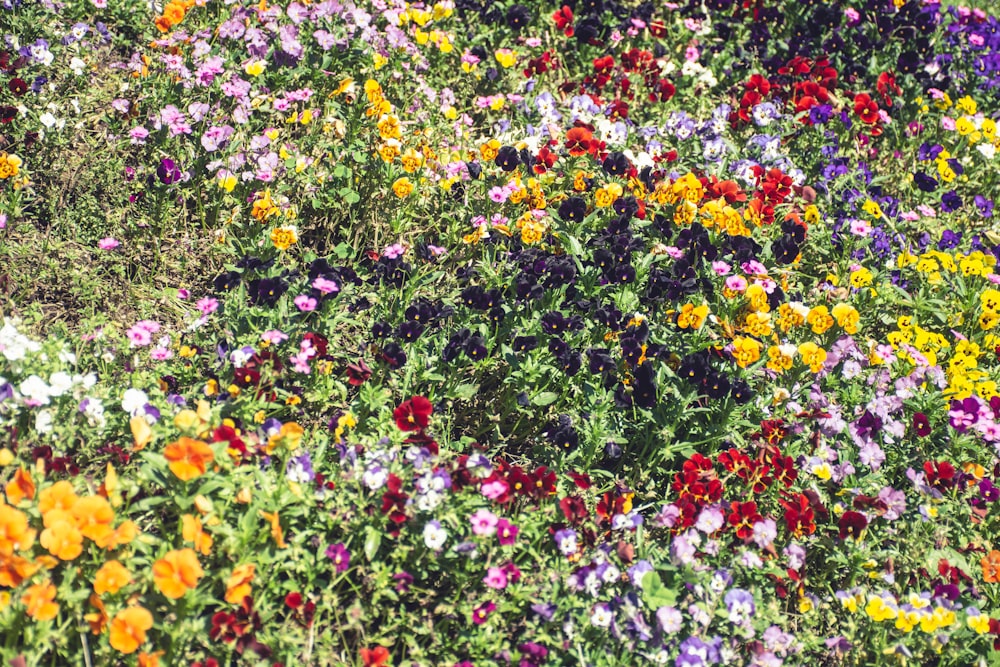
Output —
(478, 333)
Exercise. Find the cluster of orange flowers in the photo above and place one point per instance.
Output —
(173, 14)
(67, 521)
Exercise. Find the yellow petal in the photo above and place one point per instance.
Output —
(141, 432)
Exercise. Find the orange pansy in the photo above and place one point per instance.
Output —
(150, 659)
(238, 586)
(93, 516)
(15, 535)
(59, 496)
(61, 536)
(21, 487)
(123, 534)
(97, 619)
(128, 629)
(192, 532)
(991, 567)
(111, 578)
(189, 458)
(177, 572)
(15, 569)
(40, 601)
(276, 532)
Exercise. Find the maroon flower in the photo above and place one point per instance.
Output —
(358, 374)
(940, 474)
(403, 581)
(582, 480)
(17, 86)
(319, 343)
(852, 523)
(921, 424)
(394, 500)
(303, 611)
(414, 414)
(574, 509)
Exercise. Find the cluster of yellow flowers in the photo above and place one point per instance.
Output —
(421, 18)
(932, 262)
(916, 612)
(974, 127)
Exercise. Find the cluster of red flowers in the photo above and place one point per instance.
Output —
(811, 83)
(804, 83)
(773, 187)
(756, 90)
(240, 627)
(698, 485)
(612, 76)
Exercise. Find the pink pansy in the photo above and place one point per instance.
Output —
(108, 243)
(273, 336)
(860, 228)
(160, 353)
(139, 337)
(484, 522)
(325, 285)
(394, 251)
(496, 578)
(507, 532)
(494, 489)
(736, 283)
(305, 303)
(721, 268)
(207, 305)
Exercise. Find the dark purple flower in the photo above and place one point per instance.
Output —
(989, 491)
(168, 172)
(984, 205)
(950, 201)
(949, 240)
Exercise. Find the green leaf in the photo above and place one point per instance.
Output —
(465, 391)
(350, 196)
(545, 398)
(654, 593)
(373, 540)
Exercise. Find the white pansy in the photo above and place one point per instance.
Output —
(43, 422)
(134, 400)
(35, 389)
(60, 382)
(434, 535)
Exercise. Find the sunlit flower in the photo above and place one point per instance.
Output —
(177, 572)
(128, 629)
(188, 458)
